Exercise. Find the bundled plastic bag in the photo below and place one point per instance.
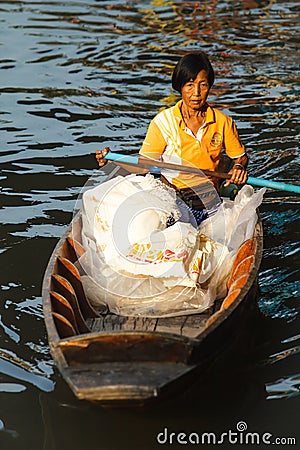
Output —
(235, 220)
(138, 264)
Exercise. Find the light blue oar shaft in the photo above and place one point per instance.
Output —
(124, 159)
(280, 186)
(134, 161)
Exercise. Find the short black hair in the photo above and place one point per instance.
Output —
(188, 68)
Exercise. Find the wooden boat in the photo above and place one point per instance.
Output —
(116, 360)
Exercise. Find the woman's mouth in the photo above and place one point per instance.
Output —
(196, 101)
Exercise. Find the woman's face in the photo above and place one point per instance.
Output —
(195, 92)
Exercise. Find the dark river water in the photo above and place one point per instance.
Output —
(79, 75)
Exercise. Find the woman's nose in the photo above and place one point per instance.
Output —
(197, 89)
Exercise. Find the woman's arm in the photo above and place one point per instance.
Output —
(236, 151)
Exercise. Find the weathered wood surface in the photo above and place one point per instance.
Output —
(123, 382)
(126, 346)
(190, 326)
(63, 287)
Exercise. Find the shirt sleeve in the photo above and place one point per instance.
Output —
(154, 143)
(232, 143)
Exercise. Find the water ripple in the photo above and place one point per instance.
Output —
(284, 388)
(79, 75)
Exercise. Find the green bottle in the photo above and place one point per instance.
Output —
(229, 191)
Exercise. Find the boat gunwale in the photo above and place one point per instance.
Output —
(49, 271)
(247, 286)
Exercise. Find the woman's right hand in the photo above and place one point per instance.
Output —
(100, 155)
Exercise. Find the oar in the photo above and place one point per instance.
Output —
(136, 160)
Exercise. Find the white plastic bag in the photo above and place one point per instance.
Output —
(137, 265)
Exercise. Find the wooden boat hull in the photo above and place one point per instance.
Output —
(116, 360)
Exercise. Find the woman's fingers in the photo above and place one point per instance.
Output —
(100, 155)
(238, 176)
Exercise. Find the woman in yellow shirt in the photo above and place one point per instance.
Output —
(192, 132)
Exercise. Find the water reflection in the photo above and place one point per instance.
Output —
(80, 75)
(284, 388)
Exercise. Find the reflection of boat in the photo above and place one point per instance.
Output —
(115, 359)
(69, 423)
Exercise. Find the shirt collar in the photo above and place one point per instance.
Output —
(210, 114)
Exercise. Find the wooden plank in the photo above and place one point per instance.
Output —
(139, 324)
(170, 325)
(64, 288)
(230, 298)
(71, 250)
(112, 322)
(126, 382)
(61, 306)
(194, 325)
(126, 346)
(67, 269)
(63, 326)
(77, 248)
(189, 326)
(107, 323)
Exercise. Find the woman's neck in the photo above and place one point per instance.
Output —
(190, 113)
(193, 118)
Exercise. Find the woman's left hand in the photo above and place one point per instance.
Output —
(238, 174)
(101, 155)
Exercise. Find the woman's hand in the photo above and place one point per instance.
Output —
(238, 174)
(100, 155)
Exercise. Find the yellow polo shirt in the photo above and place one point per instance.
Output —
(169, 140)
